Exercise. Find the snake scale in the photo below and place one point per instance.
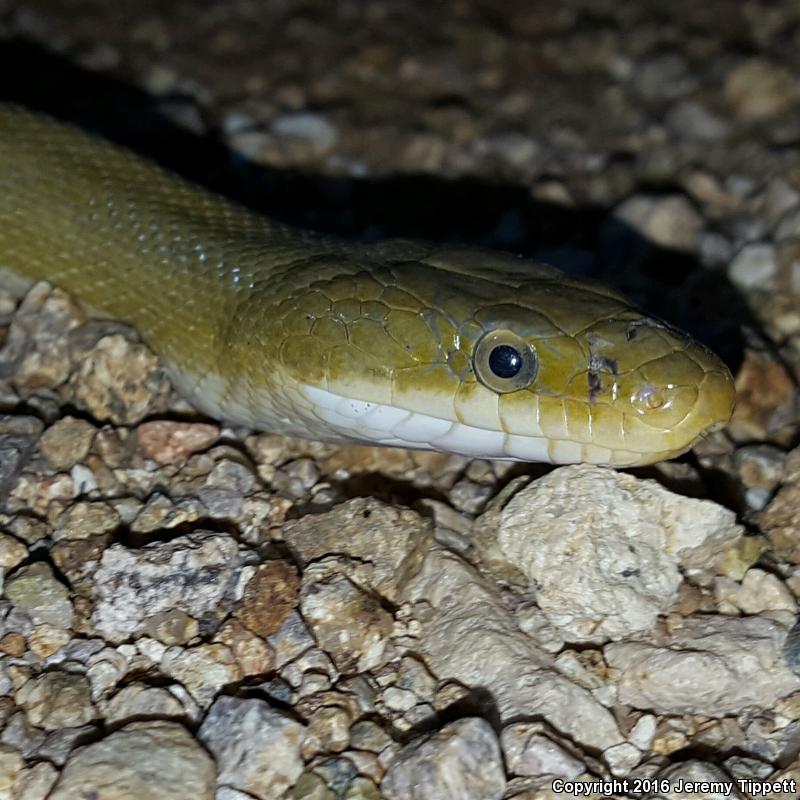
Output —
(399, 343)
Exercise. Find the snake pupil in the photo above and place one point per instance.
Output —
(505, 361)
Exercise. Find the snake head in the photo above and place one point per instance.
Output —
(488, 355)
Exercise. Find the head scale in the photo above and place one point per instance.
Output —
(488, 355)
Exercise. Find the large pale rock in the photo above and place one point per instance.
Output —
(710, 665)
(602, 551)
(468, 634)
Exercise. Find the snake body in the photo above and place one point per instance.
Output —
(399, 343)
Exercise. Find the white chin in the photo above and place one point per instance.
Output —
(388, 425)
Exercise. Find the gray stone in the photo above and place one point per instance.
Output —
(462, 761)
(257, 749)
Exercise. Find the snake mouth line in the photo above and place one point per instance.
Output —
(380, 424)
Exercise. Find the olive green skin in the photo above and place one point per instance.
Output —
(247, 312)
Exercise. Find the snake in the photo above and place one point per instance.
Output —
(451, 348)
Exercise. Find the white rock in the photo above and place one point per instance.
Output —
(460, 762)
(622, 758)
(257, 749)
(755, 266)
(399, 699)
(603, 550)
(711, 665)
(309, 127)
(763, 591)
(668, 221)
(642, 733)
(469, 635)
(196, 574)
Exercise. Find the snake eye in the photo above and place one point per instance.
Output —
(504, 362)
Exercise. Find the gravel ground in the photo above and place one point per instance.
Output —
(191, 611)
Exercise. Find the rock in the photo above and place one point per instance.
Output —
(172, 627)
(120, 381)
(622, 758)
(83, 520)
(328, 731)
(139, 700)
(603, 551)
(168, 442)
(760, 470)
(269, 597)
(253, 655)
(666, 76)
(414, 677)
(162, 513)
(313, 129)
(468, 635)
(758, 89)
(57, 700)
(18, 437)
(781, 518)
(533, 749)
(35, 782)
(348, 624)
(45, 640)
(11, 767)
(642, 733)
(762, 591)
(36, 592)
(142, 759)
(767, 401)
(667, 221)
(12, 552)
(390, 541)
(460, 762)
(511, 148)
(710, 665)
(38, 340)
(256, 748)
(291, 640)
(202, 670)
(755, 266)
(58, 745)
(66, 443)
(692, 119)
(197, 574)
